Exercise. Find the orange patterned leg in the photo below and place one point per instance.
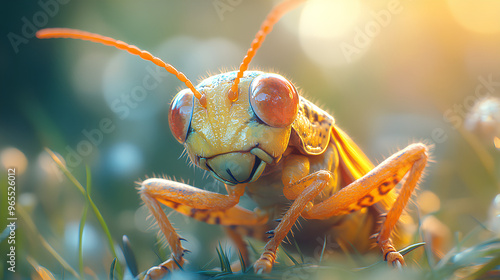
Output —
(372, 187)
(200, 204)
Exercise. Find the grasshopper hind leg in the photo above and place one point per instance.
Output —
(372, 187)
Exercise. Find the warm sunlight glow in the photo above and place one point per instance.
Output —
(329, 18)
(324, 25)
(481, 16)
(496, 141)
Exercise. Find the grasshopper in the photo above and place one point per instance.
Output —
(252, 131)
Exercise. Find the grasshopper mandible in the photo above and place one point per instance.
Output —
(253, 132)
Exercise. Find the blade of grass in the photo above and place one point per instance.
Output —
(44, 273)
(428, 254)
(242, 263)
(446, 259)
(224, 261)
(219, 254)
(473, 233)
(92, 204)
(207, 265)
(322, 251)
(129, 256)
(112, 270)
(32, 227)
(65, 170)
(403, 252)
(103, 224)
(410, 248)
(298, 249)
(82, 226)
(473, 255)
(289, 256)
(489, 266)
(457, 240)
(178, 264)
(481, 224)
(80, 239)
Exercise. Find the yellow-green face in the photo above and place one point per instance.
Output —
(228, 138)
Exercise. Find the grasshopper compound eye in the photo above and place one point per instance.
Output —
(180, 114)
(274, 100)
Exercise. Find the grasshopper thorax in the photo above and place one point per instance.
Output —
(235, 140)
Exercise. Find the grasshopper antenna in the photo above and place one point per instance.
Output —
(276, 13)
(96, 38)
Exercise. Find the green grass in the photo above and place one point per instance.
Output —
(88, 202)
(33, 231)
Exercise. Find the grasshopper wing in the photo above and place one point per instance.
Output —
(354, 164)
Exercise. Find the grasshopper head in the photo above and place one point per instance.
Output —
(242, 120)
(236, 140)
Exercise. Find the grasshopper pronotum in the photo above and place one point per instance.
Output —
(253, 131)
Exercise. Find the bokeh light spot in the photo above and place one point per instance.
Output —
(428, 202)
(324, 26)
(14, 158)
(91, 241)
(484, 120)
(125, 158)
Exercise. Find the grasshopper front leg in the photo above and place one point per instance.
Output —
(314, 183)
(302, 188)
(202, 205)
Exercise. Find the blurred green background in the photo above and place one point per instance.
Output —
(390, 72)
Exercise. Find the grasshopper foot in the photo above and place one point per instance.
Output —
(395, 259)
(162, 270)
(265, 263)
